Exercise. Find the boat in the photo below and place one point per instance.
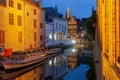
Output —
(26, 60)
(20, 61)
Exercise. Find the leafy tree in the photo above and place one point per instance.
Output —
(90, 26)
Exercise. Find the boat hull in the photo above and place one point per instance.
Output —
(9, 66)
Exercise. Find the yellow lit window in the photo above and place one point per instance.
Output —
(41, 37)
(41, 25)
(11, 19)
(35, 11)
(11, 3)
(19, 20)
(35, 36)
(19, 6)
(19, 36)
(2, 37)
(35, 23)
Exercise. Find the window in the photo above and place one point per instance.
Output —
(56, 26)
(19, 36)
(2, 36)
(11, 19)
(11, 3)
(27, 13)
(35, 11)
(50, 36)
(19, 20)
(55, 36)
(35, 24)
(35, 36)
(59, 26)
(41, 25)
(19, 6)
(62, 27)
(65, 28)
(41, 37)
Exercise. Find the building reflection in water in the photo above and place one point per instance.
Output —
(56, 67)
(34, 72)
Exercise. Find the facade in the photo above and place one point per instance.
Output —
(55, 28)
(48, 34)
(20, 26)
(107, 42)
(74, 26)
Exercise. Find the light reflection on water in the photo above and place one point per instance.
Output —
(37, 71)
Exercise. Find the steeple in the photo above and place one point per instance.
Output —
(56, 8)
(92, 9)
(68, 13)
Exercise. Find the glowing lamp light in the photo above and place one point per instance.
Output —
(50, 63)
(82, 35)
(73, 50)
(73, 41)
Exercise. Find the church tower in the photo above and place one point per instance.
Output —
(68, 13)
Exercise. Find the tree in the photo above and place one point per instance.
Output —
(90, 26)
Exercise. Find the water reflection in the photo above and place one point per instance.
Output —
(77, 74)
(53, 68)
(56, 67)
(16, 75)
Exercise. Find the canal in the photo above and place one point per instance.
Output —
(57, 67)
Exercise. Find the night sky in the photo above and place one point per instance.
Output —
(78, 8)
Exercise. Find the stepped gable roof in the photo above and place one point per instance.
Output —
(51, 13)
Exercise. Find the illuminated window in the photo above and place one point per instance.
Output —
(41, 25)
(19, 36)
(35, 23)
(2, 37)
(19, 20)
(35, 11)
(19, 6)
(50, 63)
(41, 37)
(55, 36)
(35, 36)
(50, 36)
(11, 3)
(11, 19)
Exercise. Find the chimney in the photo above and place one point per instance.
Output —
(40, 3)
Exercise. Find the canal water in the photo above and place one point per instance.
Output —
(53, 68)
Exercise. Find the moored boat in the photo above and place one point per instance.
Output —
(27, 60)
(20, 61)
